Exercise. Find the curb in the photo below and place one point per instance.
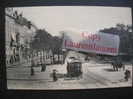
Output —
(15, 64)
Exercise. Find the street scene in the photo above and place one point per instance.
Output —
(65, 51)
(95, 75)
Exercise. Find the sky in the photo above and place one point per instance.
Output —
(83, 18)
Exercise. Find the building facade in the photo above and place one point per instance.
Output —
(19, 34)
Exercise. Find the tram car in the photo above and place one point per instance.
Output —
(74, 67)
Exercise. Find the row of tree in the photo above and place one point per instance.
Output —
(43, 39)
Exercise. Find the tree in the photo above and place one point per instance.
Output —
(44, 40)
(125, 34)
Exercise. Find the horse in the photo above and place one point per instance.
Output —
(116, 66)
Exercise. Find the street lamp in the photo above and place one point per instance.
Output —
(63, 52)
(33, 59)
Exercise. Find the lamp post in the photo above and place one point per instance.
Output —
(32, 57)
(32, 60)
(43, 65)
(63, 52)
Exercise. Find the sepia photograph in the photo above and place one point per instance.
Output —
(68, 47)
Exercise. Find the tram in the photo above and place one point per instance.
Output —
(74, 67)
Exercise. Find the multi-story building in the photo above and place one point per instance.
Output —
(19, 34)
(10, 34)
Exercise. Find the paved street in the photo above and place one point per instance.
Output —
(95, 75)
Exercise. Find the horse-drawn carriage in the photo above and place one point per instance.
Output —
(116, 65)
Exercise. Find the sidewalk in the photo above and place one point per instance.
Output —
(23, 73)
(27, 63)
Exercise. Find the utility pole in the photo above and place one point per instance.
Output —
(32, 72)
(32, 64)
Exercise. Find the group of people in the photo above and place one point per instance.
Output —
(35, 63)
(117, 65)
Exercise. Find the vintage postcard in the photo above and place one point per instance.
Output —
(68, 47)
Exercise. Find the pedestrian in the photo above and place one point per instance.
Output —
(43, 67)
(54, 75)
(32, 71)
(127, 75)
(42, 63)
